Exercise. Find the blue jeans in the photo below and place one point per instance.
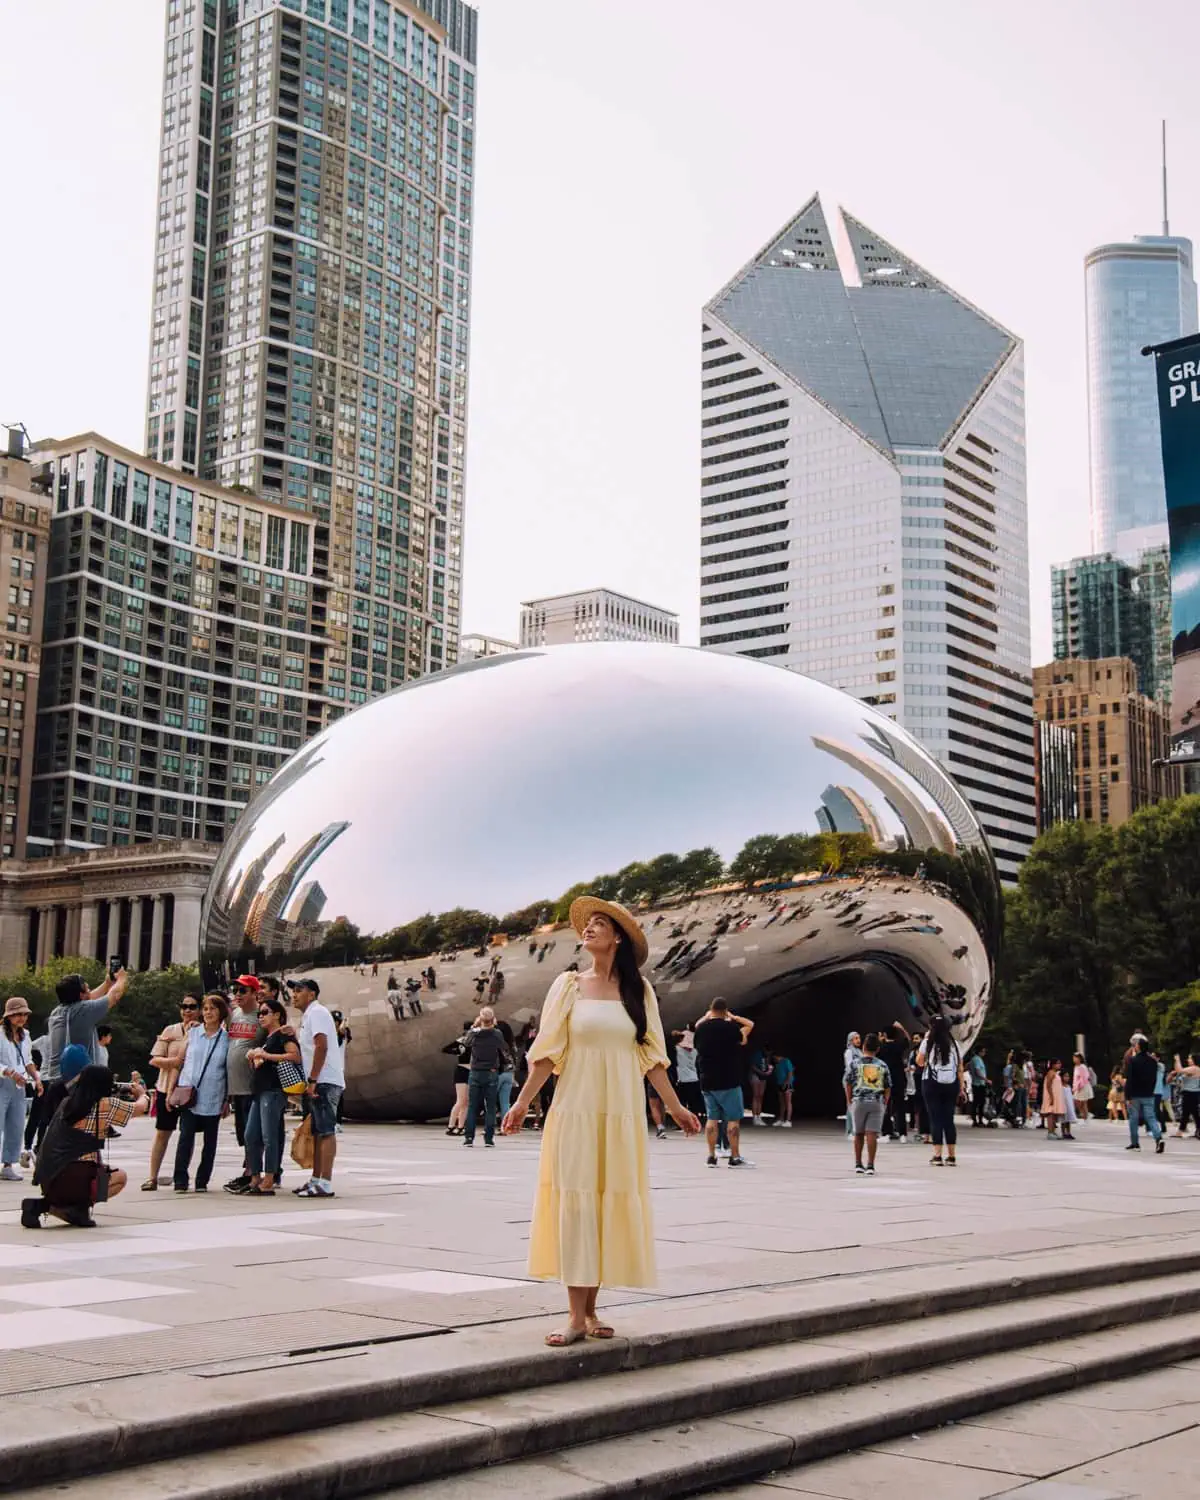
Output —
(482, 1088)
(12, 1117)
(264, 1139)
(1142, 1112)
(505, 1090)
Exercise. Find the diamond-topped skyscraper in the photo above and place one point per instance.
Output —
(863, 511)
(312, 292)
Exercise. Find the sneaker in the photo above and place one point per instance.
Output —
(740, 1161)
(904, 1140)
(660, 1133)
(778, 1124)
(870, 1171)
(860, 1170)
(489, 1143)
(10, 1174)
(712, 1161)
(240, 1184)
(1133, 1148)
(337, 1130)
(787, 1124)
(468, 1140)
(756, 1119)
(1159, 1147)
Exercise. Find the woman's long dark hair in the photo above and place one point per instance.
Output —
(940, 1043)
(93, 1084)
(630, 983)
(12, 1031)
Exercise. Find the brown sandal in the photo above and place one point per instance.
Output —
(565, 1337)
(598, 1330)
(150, 1185)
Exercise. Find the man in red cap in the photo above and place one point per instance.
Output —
(243, 1032)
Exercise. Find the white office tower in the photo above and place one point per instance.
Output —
(863, 512)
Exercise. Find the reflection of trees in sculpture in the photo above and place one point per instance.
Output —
(765, 858)
(770, 856)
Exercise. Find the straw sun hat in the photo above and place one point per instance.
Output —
(586, 907)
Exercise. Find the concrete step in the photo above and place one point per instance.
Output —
(747, 1444)
(686, 1411)
(139, 1420)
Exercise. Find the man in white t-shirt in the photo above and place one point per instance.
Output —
(326, 1079)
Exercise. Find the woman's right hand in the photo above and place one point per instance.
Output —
(514, 1119)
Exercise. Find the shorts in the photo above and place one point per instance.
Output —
(724, 1105)
(866, 1116)
(322, 1108)
(164, 1119)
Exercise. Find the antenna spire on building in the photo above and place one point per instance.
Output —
(1166, 224)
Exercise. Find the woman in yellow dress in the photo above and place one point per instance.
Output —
(601, 1033)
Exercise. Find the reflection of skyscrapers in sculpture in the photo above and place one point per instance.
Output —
(924, 830)
(863, 510)
(265, 927)
(952, 803)
(308, 905)
(233, 917)
(843, 810)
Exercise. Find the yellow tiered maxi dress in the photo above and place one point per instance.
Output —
(592, 1224)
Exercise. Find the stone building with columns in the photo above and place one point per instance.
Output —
(141, 902)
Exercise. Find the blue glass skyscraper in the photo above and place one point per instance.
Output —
(1138, 293)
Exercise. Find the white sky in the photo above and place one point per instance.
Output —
(631, 157)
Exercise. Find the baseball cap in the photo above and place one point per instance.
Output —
(304, 984)
(249, 982)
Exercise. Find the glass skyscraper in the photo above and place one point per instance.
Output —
(1138, 293)
(312, 291)
(863, 514)
(1101, 609)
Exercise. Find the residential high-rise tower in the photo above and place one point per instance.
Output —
(1100, 610)
(312, 291)
(863, 513)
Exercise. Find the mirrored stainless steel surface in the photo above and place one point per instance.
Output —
(786, 846)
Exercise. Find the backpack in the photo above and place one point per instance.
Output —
(939, 1072)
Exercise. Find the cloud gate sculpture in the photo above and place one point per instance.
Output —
(786, 846)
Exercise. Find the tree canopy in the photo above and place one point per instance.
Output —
(1103, 934)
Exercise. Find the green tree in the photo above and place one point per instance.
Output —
(1151, 895)
(699, 869)
(665, 877)
(756, 859)
(636, 883)
(1173, 1017)
(519, 923)
(1062, 970)
(343, 943)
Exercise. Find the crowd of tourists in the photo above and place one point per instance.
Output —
(236, 1052)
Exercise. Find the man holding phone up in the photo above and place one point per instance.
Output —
(79, 1011)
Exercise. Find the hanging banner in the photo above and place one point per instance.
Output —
(1177, 366)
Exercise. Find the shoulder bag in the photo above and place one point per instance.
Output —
(184, 1094)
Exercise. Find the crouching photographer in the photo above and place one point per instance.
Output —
(71, 1171)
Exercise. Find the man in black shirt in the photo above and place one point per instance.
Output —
(720, 1037)
(1141, 1081)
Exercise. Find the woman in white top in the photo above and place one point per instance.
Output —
(940, 1064)
(16, 1070)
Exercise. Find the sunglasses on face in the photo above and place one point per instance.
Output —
(189, 1007)
(265, 1010)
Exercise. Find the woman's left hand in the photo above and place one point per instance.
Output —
(686, 1120)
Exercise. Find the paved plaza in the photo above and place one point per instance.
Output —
(179, 1298)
